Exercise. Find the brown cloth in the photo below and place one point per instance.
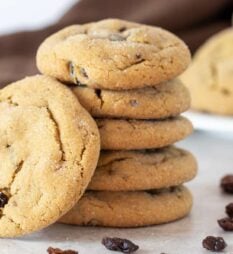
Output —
(193, 20)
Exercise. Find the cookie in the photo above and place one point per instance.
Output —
(210, 77)
(143, 170)
(49, 149)
(162, 101)
(130, 209)
(117, 134)
(113, 54)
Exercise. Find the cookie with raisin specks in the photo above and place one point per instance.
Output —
(130, 209)
(161, 101)
(143, 169)
(113, 54)
(129, 134)
(49, 149)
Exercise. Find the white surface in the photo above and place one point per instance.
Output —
(28, 14)
(213, 123)
(181, 237)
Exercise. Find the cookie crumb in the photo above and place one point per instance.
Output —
(227, 183)
(226, 224)
(229, 210)
(213, 243)
(3, 199)
(118, 244)
(51, 250)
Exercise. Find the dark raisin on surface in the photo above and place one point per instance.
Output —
(118, 244)
(3, 199)
(226, 224)
(98, 93)
(138, 56)
(122, 29)
(213, 243)
(227, 183)
(229, 210)
(51, 250)
(133, 103)
(72, 74)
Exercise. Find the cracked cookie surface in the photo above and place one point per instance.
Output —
(130, 209)
(165, 100)
(113, 54)
(117, 134)
(49, 149)
(143, 169)
(210, 76)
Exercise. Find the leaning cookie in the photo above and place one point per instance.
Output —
(113, 54)
(116, 134)
(210, 77)
(161, 101)
(49, 150)
(143, 169)
(130, 209)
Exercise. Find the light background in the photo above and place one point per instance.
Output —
(214, 155)
(30, 14)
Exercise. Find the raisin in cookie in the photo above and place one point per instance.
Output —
(117, 134)
(113, 54)
(143, 169)
(165, 100)
(130, 209)
(210, 77)
(49, 149)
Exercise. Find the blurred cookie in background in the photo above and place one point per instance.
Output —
(210, 76)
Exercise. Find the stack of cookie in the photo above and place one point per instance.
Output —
(124, 74)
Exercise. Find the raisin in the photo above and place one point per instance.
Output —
(226, 224)
(138, 56)
(51, 250)
(118, 244)
(227, 183)
(213, 243)
(3, 199)
(229, 210)
(122, 29)
(133, 103)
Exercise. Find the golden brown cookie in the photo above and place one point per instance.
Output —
(130, 209)
(113, 54)
(116, 134)
(143, 169)
(161, 101)
(210, 77)
(49, 149)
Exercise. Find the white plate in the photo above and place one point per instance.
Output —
(213, 123)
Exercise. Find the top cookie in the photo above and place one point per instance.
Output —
(210, 77)
(113, 54)
(49, 149)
